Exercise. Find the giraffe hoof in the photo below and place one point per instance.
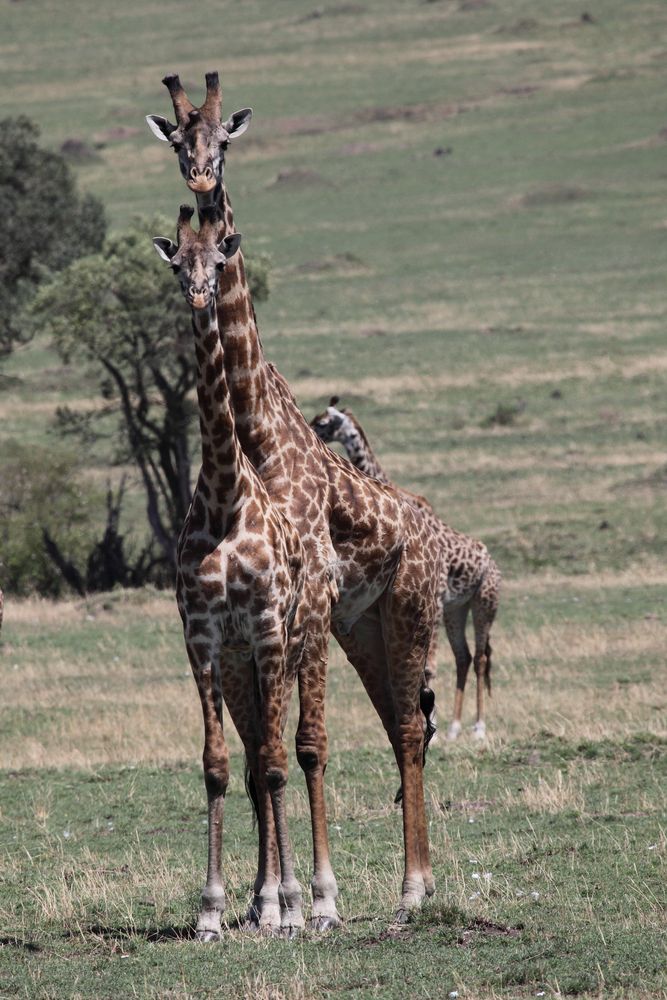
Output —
(453, 731)
(321, 924)
(479, 731)
(403, 915)
(290, 932)
(270, 930)
(207, 937)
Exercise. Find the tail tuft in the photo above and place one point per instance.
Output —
(487, 668)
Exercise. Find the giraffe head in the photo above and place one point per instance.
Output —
(200, 138)
(331, 424)
(198, 257)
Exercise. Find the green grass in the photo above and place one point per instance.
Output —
(495, 315)
(569, 902)
(102, 858)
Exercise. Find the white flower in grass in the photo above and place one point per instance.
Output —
(535, 895)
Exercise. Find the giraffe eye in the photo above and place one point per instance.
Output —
(175, 268)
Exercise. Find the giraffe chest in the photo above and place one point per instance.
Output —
(241, 588)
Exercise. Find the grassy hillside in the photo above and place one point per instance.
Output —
(464, 201)
(464, 204)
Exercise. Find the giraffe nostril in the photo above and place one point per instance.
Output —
(194, 173)
(208, 174)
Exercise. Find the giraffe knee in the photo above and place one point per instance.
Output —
(216, 771)
(310, 758)
(273, 762)
(311, 750)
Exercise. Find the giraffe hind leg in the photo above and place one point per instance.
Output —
(388, 647)
(454, 618)
(484, 608)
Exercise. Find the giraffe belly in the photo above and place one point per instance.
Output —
(359, 587)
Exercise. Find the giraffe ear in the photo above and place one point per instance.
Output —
(238, 123)
(165, 248)
(160, 127)
(334, 401)
(229, 245)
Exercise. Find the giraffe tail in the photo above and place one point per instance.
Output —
(487, 668)
(251, 792)
(427, 706)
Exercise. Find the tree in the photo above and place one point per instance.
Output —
(41, 494)
(44, 223)
(123, 313)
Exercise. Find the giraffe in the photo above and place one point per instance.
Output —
(470, 580)
(370, 578)
(240, 593)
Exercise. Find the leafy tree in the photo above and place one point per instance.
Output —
(122, 314)
(40, 493)
(44, 223)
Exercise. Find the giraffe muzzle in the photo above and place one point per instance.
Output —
(201, 181)
(198, 298)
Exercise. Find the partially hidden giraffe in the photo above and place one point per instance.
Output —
(470, 579)
(371, 576)
(240, 592)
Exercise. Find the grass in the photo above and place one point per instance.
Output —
(548, 843)
(465, 207)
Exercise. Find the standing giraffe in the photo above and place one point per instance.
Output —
(240, 593)
(370, 577)
(470, 578)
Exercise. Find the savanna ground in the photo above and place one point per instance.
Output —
(465, 206)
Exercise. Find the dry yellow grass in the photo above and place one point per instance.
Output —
(386, 388)
(127, 703)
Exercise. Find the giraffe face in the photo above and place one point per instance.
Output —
(200, 139)
(198, 258)
(329, 425)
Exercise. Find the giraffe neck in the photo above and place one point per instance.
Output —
(249, 377)
(359, 451)
(223, 465)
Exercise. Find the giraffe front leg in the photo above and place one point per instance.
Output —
(264, 910)
(290, 895)
(311, 752)
(216, 778)
(243, 706)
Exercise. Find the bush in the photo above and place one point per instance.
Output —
(40, 491)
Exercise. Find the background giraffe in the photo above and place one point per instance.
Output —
(470, 578)
(240, 592)
(370, 577)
